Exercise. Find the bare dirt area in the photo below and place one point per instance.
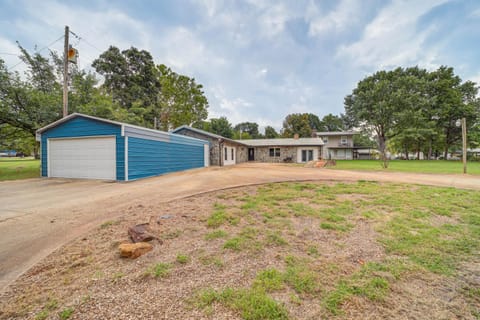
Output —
(328, 264)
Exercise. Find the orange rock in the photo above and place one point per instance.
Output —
(134, 250)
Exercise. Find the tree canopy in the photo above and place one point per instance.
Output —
(412, 108)
(302, 124)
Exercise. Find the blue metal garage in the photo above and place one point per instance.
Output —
(81, 146)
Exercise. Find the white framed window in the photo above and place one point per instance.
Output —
(325, 139)
(274, 152)
(343, 140)
(233, 154)
(226, 154)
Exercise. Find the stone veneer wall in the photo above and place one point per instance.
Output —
(262, 154)
(242, 154)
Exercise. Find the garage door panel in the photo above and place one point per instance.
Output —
(93, 158)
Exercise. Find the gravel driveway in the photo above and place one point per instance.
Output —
(39, 215)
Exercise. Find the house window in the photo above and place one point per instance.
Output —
(343, 140)
(325, 139)
(233, 154)
(307, 155)
(226, 154)
(275, 152)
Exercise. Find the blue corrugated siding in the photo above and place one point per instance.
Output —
(84, 127)
(177, 138)
(150, 158)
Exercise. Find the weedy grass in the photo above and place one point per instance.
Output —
(252, 304)
(422, 230)
(183, 258)
(66, 313)
(217, 234)
(159, 270)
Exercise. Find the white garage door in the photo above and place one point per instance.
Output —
(91, 158)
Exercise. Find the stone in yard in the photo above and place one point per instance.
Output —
(139, 233)
(134, 250)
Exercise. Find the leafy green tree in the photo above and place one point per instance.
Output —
(452, 100)
(298, 123)
(249, 130)
(271, 133)
(32, 103)
(181, 100)
(222, 127)
(332, 122)
(130, 76)
(380, 102)
(363, 140)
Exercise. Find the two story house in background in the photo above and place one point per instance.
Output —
(338, 145)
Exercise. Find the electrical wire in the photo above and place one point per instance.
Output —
(36, 51)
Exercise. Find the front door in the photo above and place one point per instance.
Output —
(251, 154)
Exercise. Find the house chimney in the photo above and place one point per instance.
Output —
(296, 136)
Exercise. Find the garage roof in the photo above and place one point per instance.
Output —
(152, 132)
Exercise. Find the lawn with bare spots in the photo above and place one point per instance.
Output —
(277, 251)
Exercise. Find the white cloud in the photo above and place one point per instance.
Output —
(272, 20)
(392, 38)
(100, 28)
(338, 20)
(12, 60)
(183, 50)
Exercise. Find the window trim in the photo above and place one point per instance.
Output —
(274, 152)
(226, 153)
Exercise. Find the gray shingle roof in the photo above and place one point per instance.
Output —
(282, 142)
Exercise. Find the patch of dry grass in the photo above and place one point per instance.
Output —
(288, 250)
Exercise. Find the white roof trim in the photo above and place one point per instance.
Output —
(121, 124)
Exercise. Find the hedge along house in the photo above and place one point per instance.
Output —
(223, 151)
(81, 146)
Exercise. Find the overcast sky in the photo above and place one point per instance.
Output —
(259, 60)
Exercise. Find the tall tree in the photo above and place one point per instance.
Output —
(299, 123)
(249, 128)
(181, 100)
(452, 100)
(271, 133)
(379, 102)
(130, 76)
(222, 127)
(332, 122)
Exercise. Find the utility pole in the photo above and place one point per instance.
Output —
(65, 73)
(464, 141)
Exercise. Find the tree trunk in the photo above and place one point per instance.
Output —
(405, 148)
(429, 156)
(383, 151)
(36, 148)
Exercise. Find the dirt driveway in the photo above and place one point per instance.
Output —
(39, 215)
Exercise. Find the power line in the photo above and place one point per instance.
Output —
(36, 51)
(60, 38)
(9, 54)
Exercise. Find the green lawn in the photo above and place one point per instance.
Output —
(419, 166)
(16, 168)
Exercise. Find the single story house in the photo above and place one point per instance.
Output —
(82, 146)
(338, 144)
(299, 150)
(223, 151)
